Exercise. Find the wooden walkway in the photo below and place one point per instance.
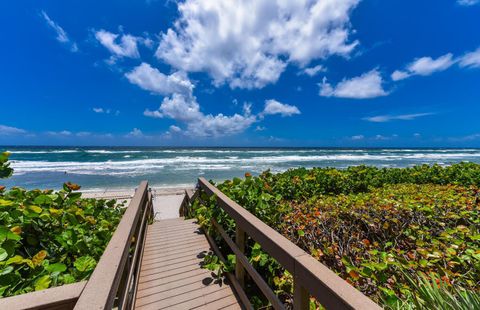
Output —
(171, 276)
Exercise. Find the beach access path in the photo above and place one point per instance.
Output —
(171, 276)
(166, 201)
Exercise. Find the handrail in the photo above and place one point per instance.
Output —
(60, 297)
(113, 282)
(311, 278)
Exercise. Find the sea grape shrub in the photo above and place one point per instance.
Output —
(5, 170)
(373, 239)
(51, 238)
(302, 184)
(372, 226)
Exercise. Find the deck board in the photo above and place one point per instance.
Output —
(171, 276)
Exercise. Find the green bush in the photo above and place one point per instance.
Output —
(5, 170)
(50, 238)
(371, 226)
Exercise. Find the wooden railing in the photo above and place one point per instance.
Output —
(56, 298)
(311, 278)
(115, 279)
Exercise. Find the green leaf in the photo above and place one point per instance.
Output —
(5, 203)
(42, 199)
(6, 270)
(42, 283)
(85, 263)
(301, 233)
(57, 267)
(3, 254)
(6, 234)
(35, 209)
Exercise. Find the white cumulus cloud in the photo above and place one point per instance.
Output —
(312, 71)
(424, 66)
(135, 133)
(180, 104)
(151, 79)
(249, 43)
(274, 107)
(121, 45)
(367, 85)
(186, 110)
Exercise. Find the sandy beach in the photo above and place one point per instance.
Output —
(166, 201)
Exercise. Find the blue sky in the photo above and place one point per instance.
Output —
(240, 73)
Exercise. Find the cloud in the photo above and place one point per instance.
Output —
(224, 39)
(260, 128)
(135, 133)
(424, 66)
(121, 45)
(174, 129)
(470, 60)
(149, 78)
(388, 118)
(358, 137)
(63, 133)
(83, 134)
(186, 109)
(468, 2)
(180, 104)
(62, 36)
(106, 111)
(312, 71)
(273, 107)
(380, 137)
(368, 85)
(11, 131)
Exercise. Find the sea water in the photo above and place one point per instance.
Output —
(119, 167)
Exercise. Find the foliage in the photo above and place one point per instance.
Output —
(302, 184)
(434, 293)
(51, 238)
(372, 239)
(5, 170)
(375, 227)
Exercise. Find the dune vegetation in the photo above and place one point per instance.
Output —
(385, 231)
(50, 238)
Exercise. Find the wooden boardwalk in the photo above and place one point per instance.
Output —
(171, 276)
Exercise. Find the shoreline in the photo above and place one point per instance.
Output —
(127, 193)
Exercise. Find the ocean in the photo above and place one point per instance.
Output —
(99, 168)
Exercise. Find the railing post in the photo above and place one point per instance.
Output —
(301, 297)
(240, 237)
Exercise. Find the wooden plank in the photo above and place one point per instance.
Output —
(222, 303)
(187, 300)
(100, 291)
(160, 267)
(160, 286)
(159, 281)
(61, 297)
(171, 276)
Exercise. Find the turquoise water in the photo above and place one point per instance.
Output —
(114, 167)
